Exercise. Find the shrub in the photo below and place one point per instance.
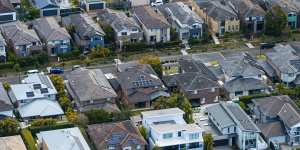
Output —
(35, 130)
(7, 65)
(43, 122)
(98, 116)
(28, 139)
(8, 126)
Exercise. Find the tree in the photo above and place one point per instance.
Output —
(276, 21)
(99, 51)
(174, 35)
(98, 116)
(82, 120)
(6, 86)
(72, 115)
(208, 142)
(154, 61)
(44, 122)
(9, 126)
(75, 3)
(65, 102)
(143, 132)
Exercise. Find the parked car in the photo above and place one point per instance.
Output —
(157, 3)
(56, 70)
(266, 45)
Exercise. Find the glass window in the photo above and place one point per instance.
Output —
(124, 33)
(194, 145)
(179, 134)
(194, 136)
(167, 135)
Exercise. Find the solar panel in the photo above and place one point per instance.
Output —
(29, 94)
(37, 86)
(44, 90)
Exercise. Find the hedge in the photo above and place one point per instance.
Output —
(7, 65)
(35, 130)
(28, 139)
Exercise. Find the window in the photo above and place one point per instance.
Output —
(134, 30)
(111, 148)
(138, 147)
(179, 134)
(203, 101)
(167, 135)
(237, 93)
(124, 33)
(194, 145)
(228, 130)
(127, 148)
(194, 136)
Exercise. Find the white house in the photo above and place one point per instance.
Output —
(168, 130)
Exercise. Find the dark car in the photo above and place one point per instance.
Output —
(266, 45)
(57, 70)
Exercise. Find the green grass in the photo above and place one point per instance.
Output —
(28, 139)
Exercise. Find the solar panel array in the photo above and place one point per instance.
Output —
(37, 86)
(142, 82)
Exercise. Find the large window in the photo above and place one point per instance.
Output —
(194, 145)
(167, 135)
(194, 136)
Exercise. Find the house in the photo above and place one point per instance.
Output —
(167, 130)
(136, 3)
(232, 122)
(16, 3)
(46, 7)
(56, 38)
(251, 15)
(220, 17)
(6, 107)
(90, 5)
(88, 34)
(186, 22)
(140, 86)
(156, 28)
(12, 143)
(62, 139)
(21, 39)
(36, 97)
(7, 12)
(279, 117)
(2, 49)
(285, 62)
(116, 135)
(126, 29)
(91, 90)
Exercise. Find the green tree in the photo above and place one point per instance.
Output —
(9, 126)
(75, 3)
(143, 132)
(44, 122)
(65, 102)
(208, 142)
(154, 61)
(6, 86)
(276, 21)
(98, 116)
(174, 35)
(71, 115)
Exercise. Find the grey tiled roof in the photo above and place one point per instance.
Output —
(150, 18)
(49, 29)
(273, 129)
(6, 6)
(246, 8)
(220, 115)
(18, 33)
(244, 84)
(40, 4)
(289, 115)
(181, 12)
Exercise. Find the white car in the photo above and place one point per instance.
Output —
(157, 3)
(32, 71)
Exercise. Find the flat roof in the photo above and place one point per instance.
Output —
(170, 111)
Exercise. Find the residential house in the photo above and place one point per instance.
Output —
(167, 129)
(12, 143)
(56, 38)
(46, 7)
(2, 49)
(62, 139)
(91, 90)
(232, 122)
(91, 5)
(279, 119)
(16, 3)
(116, 135)
(285, 63)
(195, 81)
(251, 15)
(6, 107)
(242, 76)
(21, 39)
(139, 85)
(126, 29)
(36, 97)
(186, 22)
(88, 34)
(7, 12)
(219, 15)
(156, 28)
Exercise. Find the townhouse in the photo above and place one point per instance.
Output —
(167, 129)
(20, 38)
(57, 39)
(126, 29)
(87, 33)
(186, 22)
(235, 126)
(155, 27)
(7, 12)
(219, 16)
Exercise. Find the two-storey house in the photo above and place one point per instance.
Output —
(46, 7)
(186, 22)
(87, 33)
(168, 130)
(126, 29)
(20, 38)
(57, 39)
(156, 28)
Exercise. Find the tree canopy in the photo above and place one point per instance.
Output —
(208, 142)
(276, 21)
(154, 61)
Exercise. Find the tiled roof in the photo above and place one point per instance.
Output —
(6, 6)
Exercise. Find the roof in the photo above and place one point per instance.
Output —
(84, 25)
(118, 20)
(90, 84)
(18, 33)
(289, 115)
(41, 108)
(150, 18)
(246, 8)
(119, 134)
(272, 129)
(6, 6)
(49, 29)
(63, 139)
(12, 143)
(286, 5)
(195, 81)
(217, 10)
(227, 114)
(244, 84)
(181, 13)
(162, 112)
(169, 127)
(5, 103)
(40, 4)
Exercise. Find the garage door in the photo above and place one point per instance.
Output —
(50, 12)
(96, 6)
(221, 142)
(5, 18)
